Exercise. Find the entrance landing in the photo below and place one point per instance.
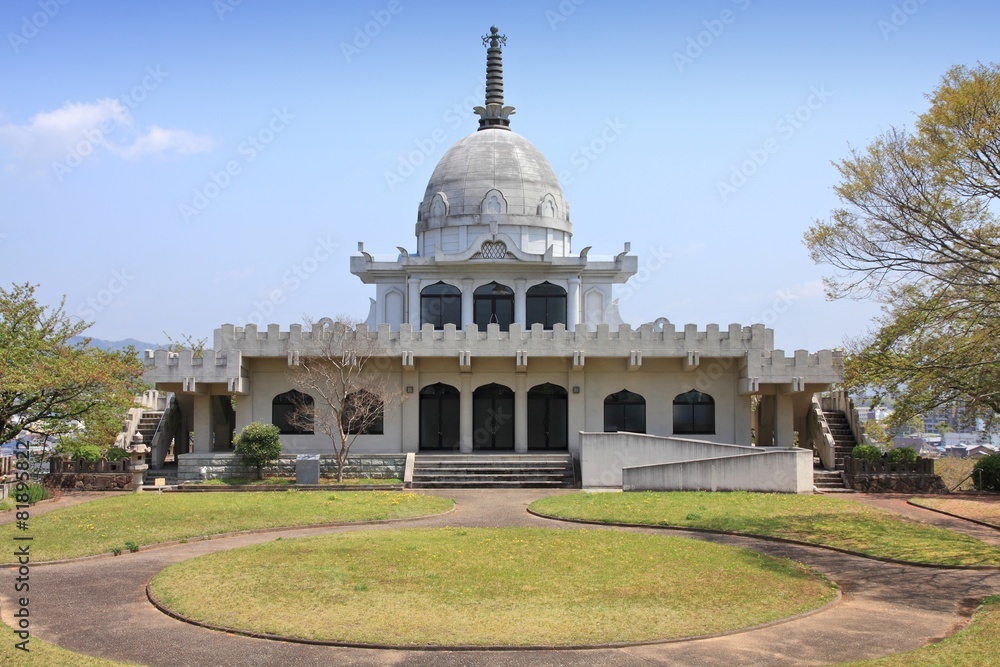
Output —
(493, 471)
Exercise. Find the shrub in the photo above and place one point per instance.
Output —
(90, 453)
(116, 551)
(867, 453)
(901, 455)
(116, 454)
(37, 492)
(132, 546)
(986, 473)
(258, 444)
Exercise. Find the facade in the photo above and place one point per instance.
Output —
(501, 337)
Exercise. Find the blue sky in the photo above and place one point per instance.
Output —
(170, 166)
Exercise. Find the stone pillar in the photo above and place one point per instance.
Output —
(465, 414)
(520, 316)
(202, 424)
(413, 305)
(573, 304)
(521, 413)
(576, 416)
(410, 413)
(468, 305)
(784, 422)
(742, 421)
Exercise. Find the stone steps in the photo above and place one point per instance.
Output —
(515, 471)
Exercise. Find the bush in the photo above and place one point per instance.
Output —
(901, 455)
(867, 453)
(37, 492)
(132, 546)
(986, 473)
(116, 454)
(258, 444)
(90, 453)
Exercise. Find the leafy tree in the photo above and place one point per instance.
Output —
(347, 376)
(877, 434)
(258, 445)
(918, 230)
(49, 386)
(986, 473)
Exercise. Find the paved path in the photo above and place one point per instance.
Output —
(99, 607)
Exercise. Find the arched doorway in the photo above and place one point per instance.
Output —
(439, 417)
(548, 426)
(493, 418)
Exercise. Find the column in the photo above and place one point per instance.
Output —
(519, 303)
(742, 420)
(468, 305)
(202, 423)
(573, 304)
(410, 412)
(576, 411)
(520, 413)
(413, 307)
(465, 414)
(784, 423)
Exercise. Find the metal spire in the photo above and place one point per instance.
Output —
(494, 115)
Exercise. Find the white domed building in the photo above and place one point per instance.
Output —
(502, 339)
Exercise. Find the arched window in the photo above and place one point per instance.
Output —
(439, 417)
(291, 413)
(694, 412)
(546, 303)
(625, 411)
(494, 304)
(441, 304)
(362, 413)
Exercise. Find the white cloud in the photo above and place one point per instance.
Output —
(73, 132)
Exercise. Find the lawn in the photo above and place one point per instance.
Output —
(823, 520)
(42, 654)
(489, 586)
(148, 518)
(976, 646)
(954, 470)
(980, 509)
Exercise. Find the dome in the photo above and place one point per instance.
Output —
(499, 163)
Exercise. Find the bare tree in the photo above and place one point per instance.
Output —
(346, 376)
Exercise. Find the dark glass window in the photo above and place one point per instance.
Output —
(439, 417)
(694, 412)
(282, 408)
(494, 304)
(625, 411)
(545, 303)
(363, 413)
(441, 304)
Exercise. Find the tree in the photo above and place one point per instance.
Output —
(347, 377)
(48, 386)
(258, 445)
(918, 231)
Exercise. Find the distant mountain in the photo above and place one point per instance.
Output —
(118, 344)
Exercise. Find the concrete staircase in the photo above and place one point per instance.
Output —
(167, 472)
(147, 424)
(493, 471)
(844, 442)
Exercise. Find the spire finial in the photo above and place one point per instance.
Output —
(494, 114)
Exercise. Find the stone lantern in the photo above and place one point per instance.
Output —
(137, 459)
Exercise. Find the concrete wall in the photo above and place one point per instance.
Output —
(221, 466)
(769, 471)
(604, 456)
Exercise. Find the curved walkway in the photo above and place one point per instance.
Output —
(99, 607)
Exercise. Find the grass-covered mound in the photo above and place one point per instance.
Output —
(835, 522)
(484, 586)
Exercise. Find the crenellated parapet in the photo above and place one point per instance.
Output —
(211, 367)
(790, 373)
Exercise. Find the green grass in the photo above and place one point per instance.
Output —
(488, 586)
(954, 470)
(976, 646)
(289, 481)
(148, 518)
(6, 504)
(835, 522)
(980, 509)
(42, 654)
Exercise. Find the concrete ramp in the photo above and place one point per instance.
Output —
(639, 462)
